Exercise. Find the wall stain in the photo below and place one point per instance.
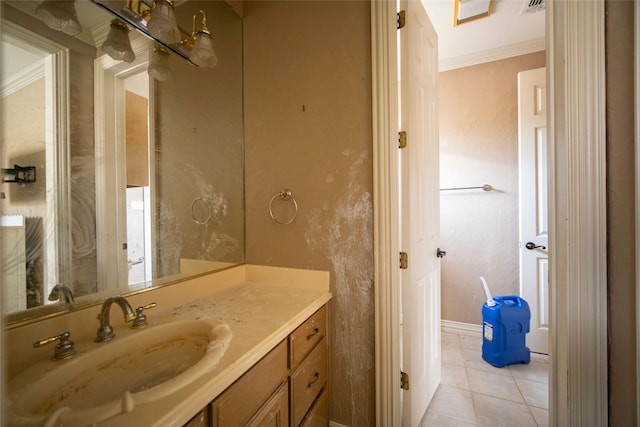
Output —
(346, 237)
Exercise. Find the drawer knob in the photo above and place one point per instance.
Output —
(312, 334)
(315, 380)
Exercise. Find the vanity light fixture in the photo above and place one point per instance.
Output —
(162, 22)
(118, 45)
(158, 20)
(202, 53)
(159, 64)
(60, 15)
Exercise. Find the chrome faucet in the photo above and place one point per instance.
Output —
(61, 293)
(64, 349)
(105, 331)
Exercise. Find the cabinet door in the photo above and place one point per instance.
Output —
(318, 416)
(242, 399)
(202, 419)
(274, 413)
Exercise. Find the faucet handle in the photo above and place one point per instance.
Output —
(65, 347)
(141, 318)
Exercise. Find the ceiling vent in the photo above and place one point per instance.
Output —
(532, 6)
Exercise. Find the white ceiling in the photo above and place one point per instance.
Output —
(505, 33)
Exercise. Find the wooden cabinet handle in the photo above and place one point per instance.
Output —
(312, 334)
(315, 380)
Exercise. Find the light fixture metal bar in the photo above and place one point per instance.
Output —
(135, 14)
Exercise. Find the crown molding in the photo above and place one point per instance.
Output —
(495, 54)
(22, 79)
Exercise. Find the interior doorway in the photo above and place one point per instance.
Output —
(479, 135)
(36, 243)
(124, 102)
(577, 196)
(137, 186)
(479, 183)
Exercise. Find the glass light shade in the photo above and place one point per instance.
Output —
(162, 22)
(159, 64)
(118, 45)
(202, 53)
(60, 15)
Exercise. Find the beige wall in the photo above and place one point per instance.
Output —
(479, 145)
(23, 138)
(308, 127)
(620, 213)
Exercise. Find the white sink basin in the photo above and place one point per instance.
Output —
(137, 367)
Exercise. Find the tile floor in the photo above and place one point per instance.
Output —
(474, 393)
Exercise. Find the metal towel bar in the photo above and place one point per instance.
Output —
(485, 187)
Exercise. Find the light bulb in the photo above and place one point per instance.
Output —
(60, 15)
(159, 64)
(202, 53)
(118, 45)
(162, 23)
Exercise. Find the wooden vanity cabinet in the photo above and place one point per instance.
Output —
(309, 370)
(287, 388)
(274, 413)
(238, 404)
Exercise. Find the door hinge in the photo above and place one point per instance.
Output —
(404, 380)
(402, 139)
(401, 19)
(404, 260)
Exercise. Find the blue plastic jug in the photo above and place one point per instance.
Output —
(504, 328)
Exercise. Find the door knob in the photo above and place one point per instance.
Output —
(441, 253)
(531, 246)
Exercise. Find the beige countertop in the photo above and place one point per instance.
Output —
(261, 310)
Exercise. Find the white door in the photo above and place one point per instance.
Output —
(534, 224)
(420, 212)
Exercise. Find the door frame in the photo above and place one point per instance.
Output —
(57, 224)
(386, 216)
(637, 160)
(577, 207)
(110, 154)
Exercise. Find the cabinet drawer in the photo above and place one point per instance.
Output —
(274, 413)
(306, 336)
(237, 404)
(307, 381)
(318, 416)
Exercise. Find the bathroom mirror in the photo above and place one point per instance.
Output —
(114, 181)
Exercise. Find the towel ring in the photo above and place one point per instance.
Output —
(285, 195)
(200, 200)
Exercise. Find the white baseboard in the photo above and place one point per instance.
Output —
(460, 327)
